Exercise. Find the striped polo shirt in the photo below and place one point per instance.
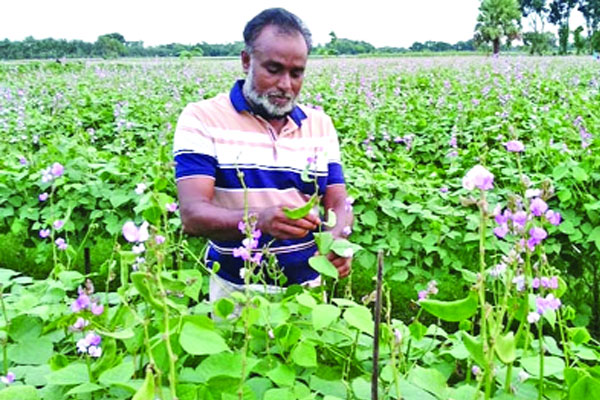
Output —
(220, 137)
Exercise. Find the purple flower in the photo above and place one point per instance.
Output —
(478, 177)
(553, 283)
(92, 339)
(79, 325)
(8, 379)
(549, 302)
(241, 252)
(538, 207)
(22, 160)
(59, 223)
(171, 207)
(82, 345)
(475, 370)
(43, 197)
(346, 231)
(533, 317)
(397, 336)
(44, 233)
(553, 217)
(514, 146)
(519, 282)
(242, 227)
(95, 351)
(519, 218)
(96, 308)
(138, 249)
(159, 239)
(423, 294)
(535, 283)
(501, 231)
(536, 236)
(61, 244)
(134, 234)
(57, 170)
(82, 302)
(140, 188)
(443, 189)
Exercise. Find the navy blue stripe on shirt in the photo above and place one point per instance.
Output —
(336, 174)
(261, 179)
(190, 164)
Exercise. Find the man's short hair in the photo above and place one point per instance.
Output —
(282, 19)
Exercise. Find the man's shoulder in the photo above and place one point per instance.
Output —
(219, 103)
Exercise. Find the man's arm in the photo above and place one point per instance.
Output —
(335, 199)
(200, 217)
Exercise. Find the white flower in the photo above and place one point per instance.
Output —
(140, 188)
(348, 252)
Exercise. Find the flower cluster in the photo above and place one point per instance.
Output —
(431, 289)
(478, 177)
(543, 304)
(85, 302)
(90, 344)
(52, 172)
(138, 235)
(250, 243)
(514, 146)
(586, 137)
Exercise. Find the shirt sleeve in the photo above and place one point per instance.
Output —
(335, 172)
(193, 146)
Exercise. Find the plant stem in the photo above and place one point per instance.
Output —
(375, 375)
(487, 370)
(541, 344)
(7, 324)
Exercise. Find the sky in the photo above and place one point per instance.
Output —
(397, 23)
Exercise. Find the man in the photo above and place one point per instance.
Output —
(258, 129)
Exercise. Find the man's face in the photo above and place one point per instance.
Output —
(275, 71)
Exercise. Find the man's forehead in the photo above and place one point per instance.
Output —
(271, 36)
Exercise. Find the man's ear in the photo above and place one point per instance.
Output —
(245, 61)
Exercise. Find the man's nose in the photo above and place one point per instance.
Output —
(285, 82)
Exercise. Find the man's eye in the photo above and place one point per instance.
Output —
(273, 70)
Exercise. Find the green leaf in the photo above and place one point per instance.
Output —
(72, 374)
(223, 307)
(193, 282)
(506, 348)
(124, 334)
(24, 328)
(324, 240)
(344, 248)
(417, 330)
(579, 174)
(305, 355)
(585, 388)
(552, 365)
(19, 393)
(87, 387)
(331, 219)
(369, 218)
(33, 351)
(452, 311)
(200, 341)
(71, 279)
(279, 394)
(579, 335)
(430, 380)
(118, 374)
(327, 387)
(361, 388)
(224, 364)
(303, 211)
(360, 317)
(323, 266)
(323, 315)
(146, 391)
(306, 300)
(475, 347)
(283, 375)
(595, 237)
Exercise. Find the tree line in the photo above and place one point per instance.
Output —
(500, 22)
(499, 25)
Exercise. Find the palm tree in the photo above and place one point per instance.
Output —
(498, 19)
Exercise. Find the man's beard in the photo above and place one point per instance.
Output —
(260, 103)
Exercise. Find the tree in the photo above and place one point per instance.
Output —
(537, 11)
(560, 11)
(539, 43)
(578, 40)
(107, 46)
(497, 19)
(591, 13)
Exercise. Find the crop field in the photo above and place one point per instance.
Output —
(476, 188)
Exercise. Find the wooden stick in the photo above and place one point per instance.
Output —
(375, 376)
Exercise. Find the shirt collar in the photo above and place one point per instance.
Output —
(240, 104)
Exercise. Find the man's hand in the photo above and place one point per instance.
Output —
(274, 222)
(342, 264)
